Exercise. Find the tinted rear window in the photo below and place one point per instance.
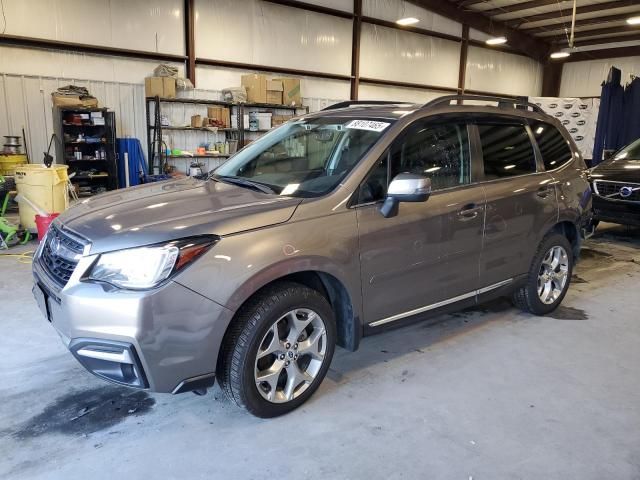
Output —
(507, 151)
(553, 146)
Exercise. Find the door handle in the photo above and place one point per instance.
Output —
(469, 212)
(544, 191)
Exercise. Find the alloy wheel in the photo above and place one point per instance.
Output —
(553, 275)
(290, 355)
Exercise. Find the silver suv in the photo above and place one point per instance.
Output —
(337, 225)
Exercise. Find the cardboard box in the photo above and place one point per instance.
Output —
(291, 94)
(256, 86)
(169, 87)
(222, 114)
(153, 87)
(277, 120)
(163, 87)
(196, 121)
(274, 92)
(73, 101)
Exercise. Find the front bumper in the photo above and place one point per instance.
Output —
(166, 339)
(616, 211)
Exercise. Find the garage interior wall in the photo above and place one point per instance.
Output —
(584, 79)
(253, 32)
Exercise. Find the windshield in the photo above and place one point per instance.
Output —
(630, 152)
(306, 157)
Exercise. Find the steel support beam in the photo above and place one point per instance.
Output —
(558, 15)
(531, 46)
(190, 40)
(551, 78)
(30, 42)
(355, 49)
(464, 50)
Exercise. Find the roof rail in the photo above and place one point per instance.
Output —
(349, 103)
(503, 102)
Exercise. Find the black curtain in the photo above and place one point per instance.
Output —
(610, 134)
(632, 111)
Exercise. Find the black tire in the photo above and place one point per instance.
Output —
(526, 297)
(240, 346)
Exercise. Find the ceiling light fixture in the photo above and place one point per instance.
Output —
(407, 21)
(560, 55)
(496, 41)
(633, 20)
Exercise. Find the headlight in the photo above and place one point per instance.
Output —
(147, 267)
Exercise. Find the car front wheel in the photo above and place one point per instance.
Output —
(278, 349)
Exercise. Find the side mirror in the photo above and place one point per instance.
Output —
(405, 187)
(607, 154)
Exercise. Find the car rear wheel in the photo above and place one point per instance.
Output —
(278, 349)
(549, 276)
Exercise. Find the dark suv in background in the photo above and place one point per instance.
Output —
(335, 226)
(616, 187)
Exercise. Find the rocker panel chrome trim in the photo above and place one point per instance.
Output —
(448, 301)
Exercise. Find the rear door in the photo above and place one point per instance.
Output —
(521, 200)
(429, 252)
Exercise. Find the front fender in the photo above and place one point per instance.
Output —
(241, 264)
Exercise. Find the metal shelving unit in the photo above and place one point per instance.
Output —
(263, 106)
(155, 129)
(68, 132)
(156, 152)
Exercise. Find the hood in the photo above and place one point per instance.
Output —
(619, 170)
(166, 211)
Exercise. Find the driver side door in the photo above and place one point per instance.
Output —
(428, 254)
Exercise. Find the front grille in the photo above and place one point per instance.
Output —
(60, 254)
(613, 190)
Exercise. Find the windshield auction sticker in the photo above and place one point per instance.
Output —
(367, 125)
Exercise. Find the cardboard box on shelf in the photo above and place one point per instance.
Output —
(277, 120)
(169, 87)
(153, 87)
(163, 87)
(73, 101)
(274, 92)
(222, 114)
(256, 86)
(196, 121)
(205, 121)
(264, 120)
(291, 94)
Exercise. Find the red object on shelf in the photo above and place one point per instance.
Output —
(42, 223)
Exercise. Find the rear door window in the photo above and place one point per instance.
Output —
(554, 148)
(506, 150)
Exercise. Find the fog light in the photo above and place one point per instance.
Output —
(113, 361)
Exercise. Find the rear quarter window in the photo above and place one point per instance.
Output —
(554, 148)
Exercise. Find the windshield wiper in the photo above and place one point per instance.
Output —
(243, 182)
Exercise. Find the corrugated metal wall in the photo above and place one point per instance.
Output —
(25, 102)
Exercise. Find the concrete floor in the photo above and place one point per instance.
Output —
(484, 394)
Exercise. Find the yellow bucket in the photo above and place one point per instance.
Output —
(8, 163)
(45, 187)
